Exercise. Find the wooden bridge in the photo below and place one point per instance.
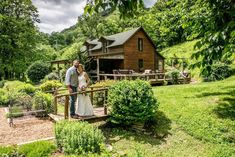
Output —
(100, 112)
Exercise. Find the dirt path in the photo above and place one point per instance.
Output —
(25, 129)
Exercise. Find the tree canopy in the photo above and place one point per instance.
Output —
(18, 37)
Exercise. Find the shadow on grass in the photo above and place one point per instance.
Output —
(226, 108)
(228, 90)
(154, 135)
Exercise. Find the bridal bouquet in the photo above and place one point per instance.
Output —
(83, 88)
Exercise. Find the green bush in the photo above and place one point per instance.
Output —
(37, 71)
(78, 137)
(104, 83)
(43, 101)
(50, 85)
(51, 76)
(4, 98)
(18, 93)
(24, 101)
(15, 111)
(12, 85)
(174, 75)
(26, 88)
(37, 149)
(219, 71)
(131, 102)
(2, 83)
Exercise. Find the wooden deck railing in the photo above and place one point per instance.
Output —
(134, 76)
(66, 104)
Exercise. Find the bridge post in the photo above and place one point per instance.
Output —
(66, 107)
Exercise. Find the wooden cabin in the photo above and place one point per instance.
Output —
(132, 50)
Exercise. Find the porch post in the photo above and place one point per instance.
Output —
(98, 69)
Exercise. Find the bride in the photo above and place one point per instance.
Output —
(83, 104)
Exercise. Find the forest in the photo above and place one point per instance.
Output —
(168, 23)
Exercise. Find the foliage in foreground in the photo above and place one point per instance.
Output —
(78, 137)
(36, 149)
(131, 102)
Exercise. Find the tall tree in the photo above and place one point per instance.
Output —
(127, 8)
(218, 44)
(17, 36)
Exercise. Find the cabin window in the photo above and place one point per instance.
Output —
(141, 64)
(140, 44)
(160, 65)
(104, 47)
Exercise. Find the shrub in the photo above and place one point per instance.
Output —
(51, 76)
(174, 75)
(78, 137)
(15, 111)
(43, 101)
(219, 71)
(131, 102)
(25, 101)
(26, 89)
(12, 85)
(2, 83)
(4, 99)
(37, 149)
(50, 85)
(104, 83)
(37, 71)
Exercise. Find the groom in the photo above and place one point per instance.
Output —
(71, 81)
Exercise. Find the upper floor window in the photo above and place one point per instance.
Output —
(104, 47)
(140, 44)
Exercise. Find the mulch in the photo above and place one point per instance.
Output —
(25, 129)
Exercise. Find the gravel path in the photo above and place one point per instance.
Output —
(25, 129)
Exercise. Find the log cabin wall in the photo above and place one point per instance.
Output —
(111, 50)
(159, 59)
(132, 55)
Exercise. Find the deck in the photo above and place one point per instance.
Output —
(152, 78)
(98, 116)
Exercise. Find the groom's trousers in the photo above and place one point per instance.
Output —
(73, 99)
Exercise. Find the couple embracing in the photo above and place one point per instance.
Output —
(77, 80)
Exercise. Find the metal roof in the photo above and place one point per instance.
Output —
(118, 39)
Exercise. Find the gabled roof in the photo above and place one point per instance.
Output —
(118, 39)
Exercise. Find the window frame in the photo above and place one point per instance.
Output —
(140, 44)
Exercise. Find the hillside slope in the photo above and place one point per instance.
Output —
(183, 50)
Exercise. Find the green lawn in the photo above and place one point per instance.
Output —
(193, 120)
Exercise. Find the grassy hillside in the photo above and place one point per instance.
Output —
(183, 50)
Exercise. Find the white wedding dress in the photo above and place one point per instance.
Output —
(83, 104)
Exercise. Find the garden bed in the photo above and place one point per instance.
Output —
(25, 129)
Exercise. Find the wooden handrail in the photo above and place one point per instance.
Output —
(81, 92)
(134, 75)
(66, 106)
(63, 89)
